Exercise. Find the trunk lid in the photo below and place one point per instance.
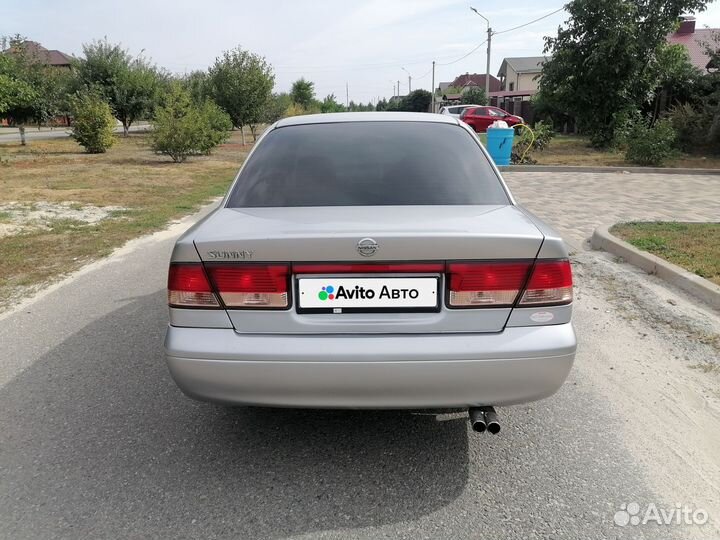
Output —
(402, 233)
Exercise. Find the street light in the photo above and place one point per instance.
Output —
(489, 39)
(409, 78)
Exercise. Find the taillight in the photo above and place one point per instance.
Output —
(549, 284)
(486, 284)
(188, 286)
(251, 285)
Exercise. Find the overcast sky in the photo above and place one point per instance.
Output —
(363, 43)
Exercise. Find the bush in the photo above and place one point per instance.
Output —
(650, 145)
(93, 123)
(692, 127)
(474, 96)
(182, 129)
(524, 146)
(217, 125)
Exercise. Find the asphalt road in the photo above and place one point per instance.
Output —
(11, 135)
(97, 442)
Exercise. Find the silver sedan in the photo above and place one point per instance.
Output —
(370, 260)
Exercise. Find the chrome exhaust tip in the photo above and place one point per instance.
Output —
(477, 419)
(484, 419)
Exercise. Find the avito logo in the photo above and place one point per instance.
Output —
(327, 293)
(361, 293)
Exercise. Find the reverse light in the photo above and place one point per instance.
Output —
(486, 284)
(550, 284)
(188, 286)
(251, 285)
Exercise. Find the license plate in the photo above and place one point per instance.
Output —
(376, 293)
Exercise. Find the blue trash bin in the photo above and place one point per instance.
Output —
(499, 144)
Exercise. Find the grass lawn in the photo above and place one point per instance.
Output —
(575, 150)
(148, 191)
(694, 246)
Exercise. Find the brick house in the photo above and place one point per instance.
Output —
(34, 52)
(694, 41)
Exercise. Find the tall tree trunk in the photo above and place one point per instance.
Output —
(126, 128)
(242, 133)
(21, 128)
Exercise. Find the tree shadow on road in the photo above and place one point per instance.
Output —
(97, 441)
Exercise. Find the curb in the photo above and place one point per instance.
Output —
(691, 283)
(620, 170)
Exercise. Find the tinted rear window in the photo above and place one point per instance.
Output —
(367, 164)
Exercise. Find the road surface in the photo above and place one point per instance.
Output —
(97, 442)
(11, 135)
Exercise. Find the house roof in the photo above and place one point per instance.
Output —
(34, 51)
(694, 43)
(477, 79)
(523, 64)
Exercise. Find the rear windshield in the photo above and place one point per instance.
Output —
(367, 164)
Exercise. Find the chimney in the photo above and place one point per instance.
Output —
(687, 25)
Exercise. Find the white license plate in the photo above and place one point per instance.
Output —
(368, 293)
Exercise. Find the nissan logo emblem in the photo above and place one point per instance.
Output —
(367, 247)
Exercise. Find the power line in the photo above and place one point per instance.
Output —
(529, 23)
(465, 55)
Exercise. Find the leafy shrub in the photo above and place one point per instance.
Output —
(524, 145)
(692, 127)
(217, 125)
(93, 122)
(474, 96)
(650, 145)
(182, 129)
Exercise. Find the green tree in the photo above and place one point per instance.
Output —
(303, 93)
(20, 99)
(130, 85)
(416, 101)
(276, 107)
(182, 128)
(382, 105)
(330, 105)
(474, 96)
(241, 83)
(93, 122)
(197, 84)
(601, 68)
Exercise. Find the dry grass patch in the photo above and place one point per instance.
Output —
(694, 246)
(145, 192)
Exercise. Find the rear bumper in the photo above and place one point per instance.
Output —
(371, 371)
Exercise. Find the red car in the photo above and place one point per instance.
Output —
(480, 118)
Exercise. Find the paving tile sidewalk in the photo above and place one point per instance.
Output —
(576, 203)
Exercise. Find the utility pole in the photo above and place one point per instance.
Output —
(487, 67)
(347, 95)
(409, 79)
(432, 101)
(398, 87)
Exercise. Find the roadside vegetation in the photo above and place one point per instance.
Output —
(614, 76)
(79, 207)
(694, 246)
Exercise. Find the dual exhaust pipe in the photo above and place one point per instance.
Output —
(484, 419)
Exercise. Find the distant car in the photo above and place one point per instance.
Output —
(370, 260)
(480, 118)
(455, 110)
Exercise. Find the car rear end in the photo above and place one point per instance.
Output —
(374, 263)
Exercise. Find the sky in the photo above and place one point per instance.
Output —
(362, 44)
